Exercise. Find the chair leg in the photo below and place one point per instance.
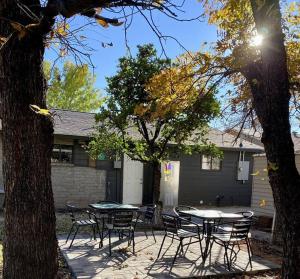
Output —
(70, 232)
(187, 247)
(249, 252)
(100, 236)
(249, 241)
(201, 249)
(181, 247)
(109, 232)
(226, 256)
(230, 257)
(177, 251)
(94, 232)
(161, 245)
(153, 234)
(74, 236)
(146, 234)
(133, 242)
(208, 251)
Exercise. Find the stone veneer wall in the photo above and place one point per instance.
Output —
(77, 185)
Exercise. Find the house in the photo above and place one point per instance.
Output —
(262, 200)
(194, 180)
(75, 178)
(203, 180)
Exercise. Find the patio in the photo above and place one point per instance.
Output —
(86, 260)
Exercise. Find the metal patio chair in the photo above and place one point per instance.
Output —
(172, 226)
(80, 223)
(103, 217)
(145, 218)
(239, 234)
(227, 227)
(122, 223)
(188, 225)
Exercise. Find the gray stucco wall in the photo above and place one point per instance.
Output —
(196, 184)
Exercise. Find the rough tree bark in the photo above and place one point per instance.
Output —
(30, 245)
(269, 83)
(156, 175)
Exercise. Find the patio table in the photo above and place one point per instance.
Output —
(210, 215)
(113, 207)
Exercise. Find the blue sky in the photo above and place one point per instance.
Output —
(190, 34)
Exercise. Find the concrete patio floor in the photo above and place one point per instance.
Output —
(86, 260)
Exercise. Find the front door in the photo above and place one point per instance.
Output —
(132, 181)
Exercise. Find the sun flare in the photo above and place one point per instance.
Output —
(257, 40)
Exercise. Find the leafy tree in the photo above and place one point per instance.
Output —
(153, 104)
(26, 28)
(262, 64)
(72, 88)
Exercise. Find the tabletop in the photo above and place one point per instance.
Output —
(212, 214)
(113, 206)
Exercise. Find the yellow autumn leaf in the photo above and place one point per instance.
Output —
(262, 203)
(62, 29)
(39, 110)
(255, 173)
(3, 40)
(102, 22)
(272, 166)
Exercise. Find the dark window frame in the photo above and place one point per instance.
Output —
(60, 159)
(211, 163)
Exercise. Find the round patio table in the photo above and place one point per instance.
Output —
(113, 207)
(208, 215)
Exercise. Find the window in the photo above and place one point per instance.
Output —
(62, 153)
(210, 163)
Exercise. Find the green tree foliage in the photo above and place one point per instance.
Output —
(134, 121)
(71, 88)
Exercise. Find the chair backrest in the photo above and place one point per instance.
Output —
(107, 202)
(150, 211)
(122, 219)
(240, 229)
(71, 209)
(178, 211)
(170, 223)
(247, 215)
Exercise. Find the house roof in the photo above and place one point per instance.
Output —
(73, 123)
(255, 137)
(80, 124)
(227, 140)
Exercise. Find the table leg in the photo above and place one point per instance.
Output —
(207, 242)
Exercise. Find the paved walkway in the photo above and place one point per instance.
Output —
(86, 260)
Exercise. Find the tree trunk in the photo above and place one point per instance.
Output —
(156, 175)
(271, 102)
(30, 245)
